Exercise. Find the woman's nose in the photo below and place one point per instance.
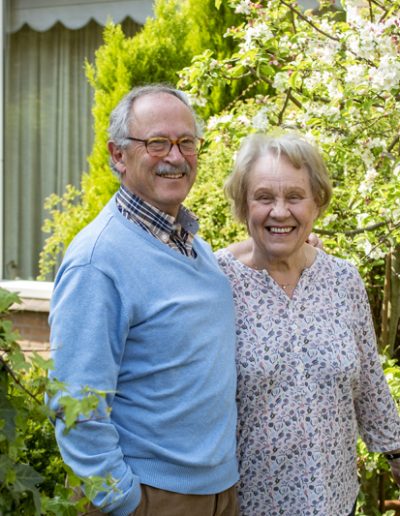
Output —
(279, 209)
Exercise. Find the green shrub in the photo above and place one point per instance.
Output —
(30, 465)
(32, 473)
(374, 471)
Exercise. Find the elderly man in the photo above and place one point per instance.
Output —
(141, 311)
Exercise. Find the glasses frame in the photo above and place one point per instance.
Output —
(171, 144)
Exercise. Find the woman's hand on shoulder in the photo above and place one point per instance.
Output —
(244, 246)
(242, 251)
(315, 241)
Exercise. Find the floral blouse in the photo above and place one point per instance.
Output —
(309, 381)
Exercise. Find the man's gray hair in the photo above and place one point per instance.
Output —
(122, 117)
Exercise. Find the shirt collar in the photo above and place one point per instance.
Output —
(152, 217)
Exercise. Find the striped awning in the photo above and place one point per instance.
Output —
(41, 15)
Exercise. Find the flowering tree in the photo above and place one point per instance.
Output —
(334, 75)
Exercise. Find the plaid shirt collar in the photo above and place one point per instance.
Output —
(177, 232)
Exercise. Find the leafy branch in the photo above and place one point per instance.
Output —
(352, 232)
(4, 365)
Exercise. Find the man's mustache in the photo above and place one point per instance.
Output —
(164, 169)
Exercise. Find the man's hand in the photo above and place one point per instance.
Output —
(315, 241)
(395, 467)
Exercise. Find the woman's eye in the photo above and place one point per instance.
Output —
(264, 198)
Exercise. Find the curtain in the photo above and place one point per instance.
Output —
(47, 134)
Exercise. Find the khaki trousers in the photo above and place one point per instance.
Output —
(157, 502)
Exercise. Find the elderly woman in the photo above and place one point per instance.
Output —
(309, 376)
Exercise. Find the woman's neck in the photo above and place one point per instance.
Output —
(285, 270)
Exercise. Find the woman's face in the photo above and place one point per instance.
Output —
(280, 206)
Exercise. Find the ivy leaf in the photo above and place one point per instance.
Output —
(7, 299)
(6, 464)
(41, 362)
(26, 480)
(7, 415)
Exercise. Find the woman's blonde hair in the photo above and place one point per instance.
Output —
(296, 149)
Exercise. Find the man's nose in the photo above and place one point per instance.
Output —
(174, 154)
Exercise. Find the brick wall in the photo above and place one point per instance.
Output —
(30, 317)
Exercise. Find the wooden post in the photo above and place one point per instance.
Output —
(391, 304)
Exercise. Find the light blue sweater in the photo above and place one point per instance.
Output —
(134, 317)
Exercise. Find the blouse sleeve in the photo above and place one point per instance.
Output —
(377, 415)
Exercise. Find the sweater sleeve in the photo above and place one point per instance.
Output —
(377, 415)
(89, 327)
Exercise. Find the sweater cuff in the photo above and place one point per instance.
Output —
(130, 503)
(124, 499)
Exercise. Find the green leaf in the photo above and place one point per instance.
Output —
(8, 415)
(26, 478)
(7, 299)
(6, 464)
(41, 362)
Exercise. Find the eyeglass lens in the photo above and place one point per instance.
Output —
(162, 146)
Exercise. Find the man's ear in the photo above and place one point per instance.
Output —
(117, 156)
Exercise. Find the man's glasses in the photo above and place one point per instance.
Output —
(160, 147)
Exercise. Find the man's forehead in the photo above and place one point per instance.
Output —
(162, 111)
(150, 101)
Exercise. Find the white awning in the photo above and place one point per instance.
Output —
(41, 15)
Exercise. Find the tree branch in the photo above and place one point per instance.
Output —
(351, 232)
(307, 20)
(394, 142)
(282, 111)
(289, 94)
(8, 369)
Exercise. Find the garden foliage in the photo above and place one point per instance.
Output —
(30, 466)
(32, 473)
(335, 76)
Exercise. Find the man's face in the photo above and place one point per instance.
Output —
(162, 182)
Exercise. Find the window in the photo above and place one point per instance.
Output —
(47, 111)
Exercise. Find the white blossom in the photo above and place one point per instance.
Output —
(281, 81)
(214, 121)
(357, 75)
(367, 247)
(364, 188)
(325, 52)
(243, 7)
(254, 34)
(361, 218)
(326, 221)
(374, 143)
(371, 175)
(387, 75)
(355, 10)
(243, 119)
(260, 120)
